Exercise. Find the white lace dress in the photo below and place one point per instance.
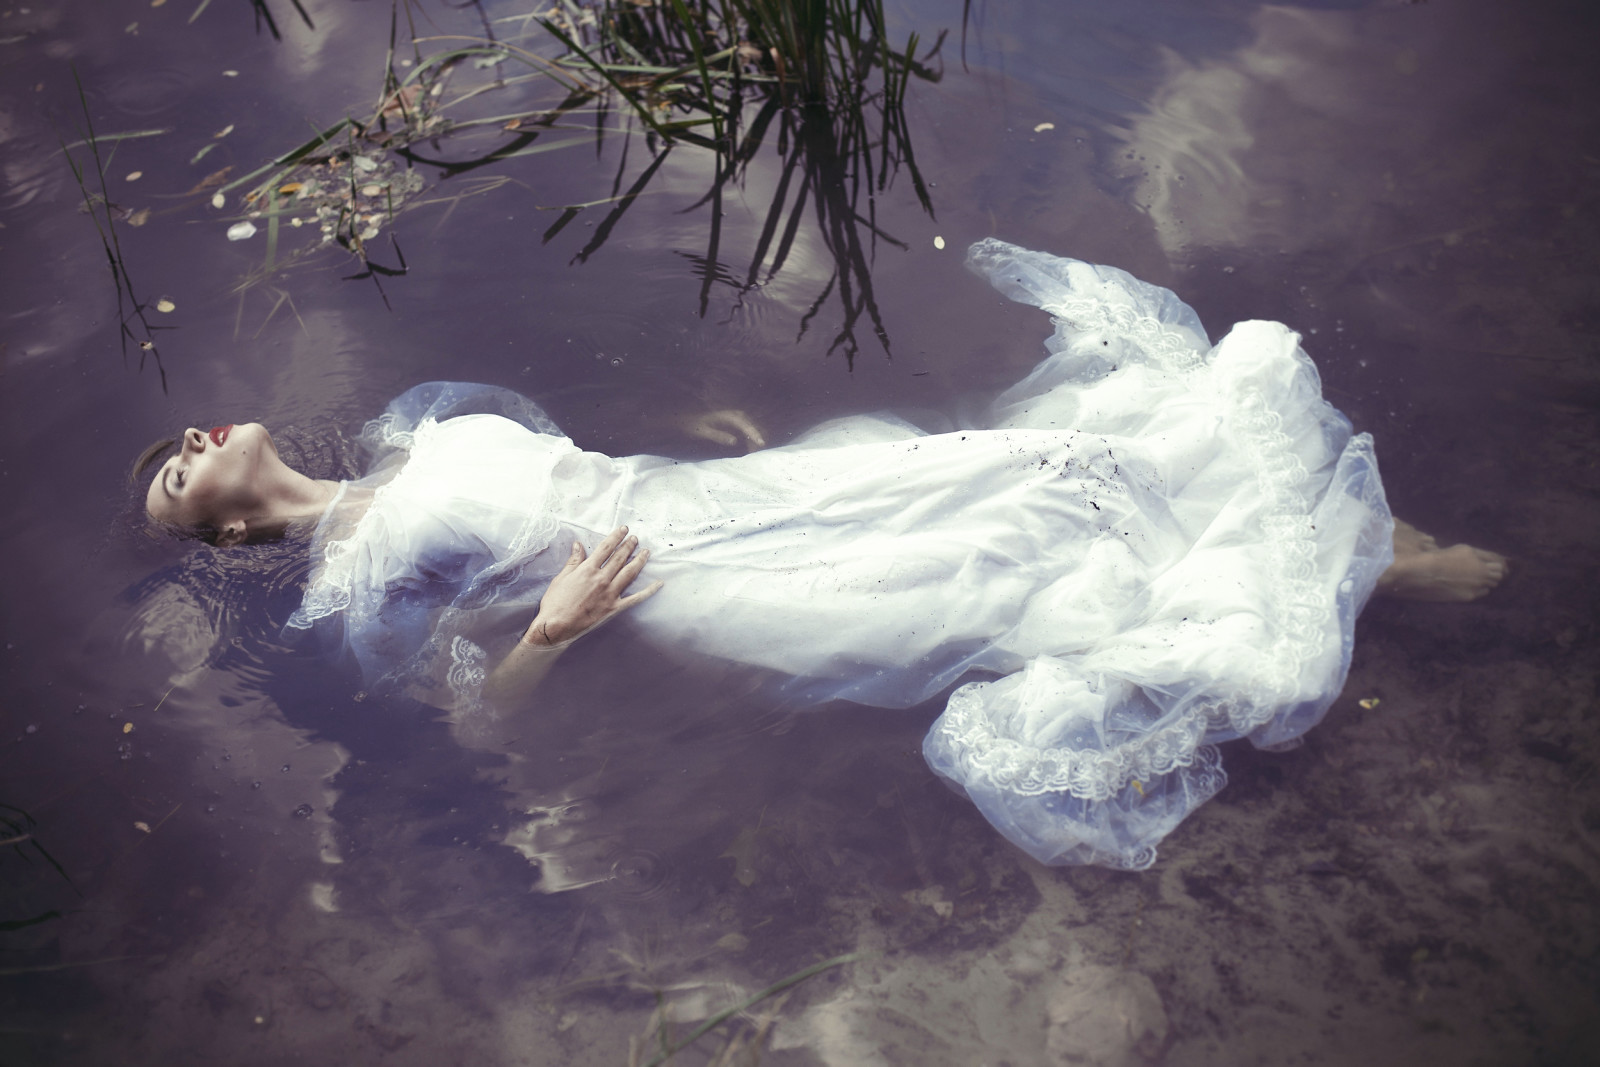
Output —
(1152, 544)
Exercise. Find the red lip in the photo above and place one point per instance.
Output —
(219, 434)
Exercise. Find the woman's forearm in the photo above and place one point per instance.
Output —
(589, 590)
(520, 673)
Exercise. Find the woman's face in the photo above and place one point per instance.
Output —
(214, 479)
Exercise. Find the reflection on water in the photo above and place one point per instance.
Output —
(324, 875)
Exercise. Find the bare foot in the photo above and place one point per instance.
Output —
(1408, 539)
(1443, 575)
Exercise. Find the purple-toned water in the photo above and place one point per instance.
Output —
(257, 864)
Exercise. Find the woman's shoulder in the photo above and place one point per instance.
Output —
(443, 401)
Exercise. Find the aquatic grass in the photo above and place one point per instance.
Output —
(263, 16)
(18, 833)
(817, 81)
(103, 213)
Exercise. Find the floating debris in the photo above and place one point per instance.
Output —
(240, 231)
(165, 306)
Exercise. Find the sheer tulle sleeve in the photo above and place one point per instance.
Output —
(445, 548)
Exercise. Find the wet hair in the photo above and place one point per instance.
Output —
(154, 527)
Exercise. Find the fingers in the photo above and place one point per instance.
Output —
(625, 575)
(741, 422)
(715, 426)
(607, 547)
(619, 559)
(642, 595)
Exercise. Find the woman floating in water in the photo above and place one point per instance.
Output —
(1151, 545)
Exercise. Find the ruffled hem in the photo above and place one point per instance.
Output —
(1079, 790)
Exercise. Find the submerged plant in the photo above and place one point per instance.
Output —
(746, 1044)
(18, 836)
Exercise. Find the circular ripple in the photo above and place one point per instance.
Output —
(639, 875)
(150, 92)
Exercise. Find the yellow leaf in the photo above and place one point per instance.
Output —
(127, 727)
(290, 189)
(1368, 702)
(166, 306)
(1043, 126)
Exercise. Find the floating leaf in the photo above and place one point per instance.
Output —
(371, 190)
(220, 134)
(1368, 702)
(1043, 126)
(165, 306)
(140, 217)
(142, 827)
(938, 242)
(135, 175)
(230, 74)
(365, 164)
(218, 201)
(290, 189)
(127, 727)
(241, 231)
(198, 156)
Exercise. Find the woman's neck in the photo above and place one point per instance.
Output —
(290, 497)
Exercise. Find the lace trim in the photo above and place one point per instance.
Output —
(983, 754)
(466, 673)
(322, 597)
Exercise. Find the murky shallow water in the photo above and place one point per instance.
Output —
(1412, 186)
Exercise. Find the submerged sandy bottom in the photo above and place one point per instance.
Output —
(1414, 886)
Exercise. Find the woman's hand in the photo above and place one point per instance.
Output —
(589, 589)
(728, 427)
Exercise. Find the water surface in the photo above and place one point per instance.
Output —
(258, 863)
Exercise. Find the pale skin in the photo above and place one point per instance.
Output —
(232, 481)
